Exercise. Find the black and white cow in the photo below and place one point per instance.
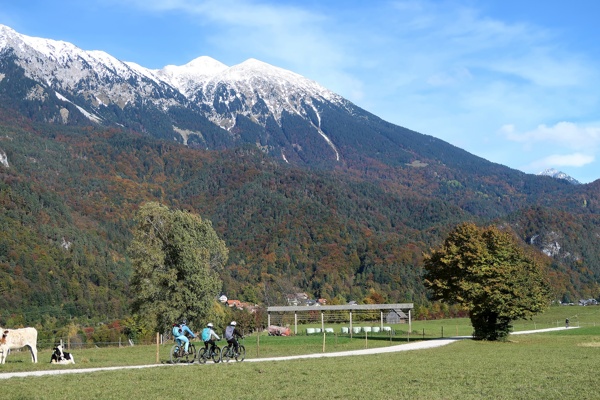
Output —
(61, 357)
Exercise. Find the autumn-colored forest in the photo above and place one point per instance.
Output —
(355, 232)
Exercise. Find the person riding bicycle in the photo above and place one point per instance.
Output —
(207, 337)
(231, 335)
(186, 329)
(180, 337)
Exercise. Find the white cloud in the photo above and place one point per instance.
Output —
(566, 134)
(448, 69)
(453, 77)
(561, 160)
(294, 36)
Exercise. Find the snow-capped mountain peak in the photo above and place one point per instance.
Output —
(252, 88)
(188, 77)
(553, 173)
(98, 84)
(253, 70)
(200, 67)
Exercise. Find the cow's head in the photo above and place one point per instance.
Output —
(4, 335)
(58, 350)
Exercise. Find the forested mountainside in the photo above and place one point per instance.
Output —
(310, 192)
(68, 195)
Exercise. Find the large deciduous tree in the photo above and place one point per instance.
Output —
(176, 256)
(489, 273)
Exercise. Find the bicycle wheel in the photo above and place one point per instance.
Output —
(225, 354)
(174, 354)
(191, 357)
(217, 355)
(241, 353)
(202, 356)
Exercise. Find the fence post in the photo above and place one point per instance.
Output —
(157, 341)
(323, 329)
(350, 324)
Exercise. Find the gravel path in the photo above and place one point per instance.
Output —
(427, 344)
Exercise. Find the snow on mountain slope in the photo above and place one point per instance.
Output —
(240, 88)
(189, 77)
(95, 75)
(553, 173)
(94, 81)
(206, 82)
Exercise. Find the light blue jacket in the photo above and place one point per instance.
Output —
(185, 328)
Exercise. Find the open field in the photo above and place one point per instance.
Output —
(552, 365)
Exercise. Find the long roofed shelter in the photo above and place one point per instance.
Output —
(400, 311)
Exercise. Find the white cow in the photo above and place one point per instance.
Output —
(17, 338)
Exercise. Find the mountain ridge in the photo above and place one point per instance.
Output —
(321, 196)
(284, 114)
(269, 104)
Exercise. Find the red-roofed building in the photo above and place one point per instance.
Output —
(234, 303)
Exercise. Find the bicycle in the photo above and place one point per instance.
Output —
(205, 354)
(177, 354)
(228, 353)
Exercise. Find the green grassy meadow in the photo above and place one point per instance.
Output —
(553, 365)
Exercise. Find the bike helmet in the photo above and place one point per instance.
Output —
(233, 323)
(210, 325)
(184, 321)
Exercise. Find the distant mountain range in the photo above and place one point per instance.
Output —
(208, 105)
(310, 192)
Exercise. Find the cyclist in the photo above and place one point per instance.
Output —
(180, 337)
(186, 329)
(231, 335)
(207, 337)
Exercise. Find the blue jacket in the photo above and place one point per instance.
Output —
(185, 328)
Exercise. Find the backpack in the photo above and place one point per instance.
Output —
(205, 334)
(229, 332)
(176, 331)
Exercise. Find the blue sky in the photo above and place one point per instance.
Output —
(514, 82)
